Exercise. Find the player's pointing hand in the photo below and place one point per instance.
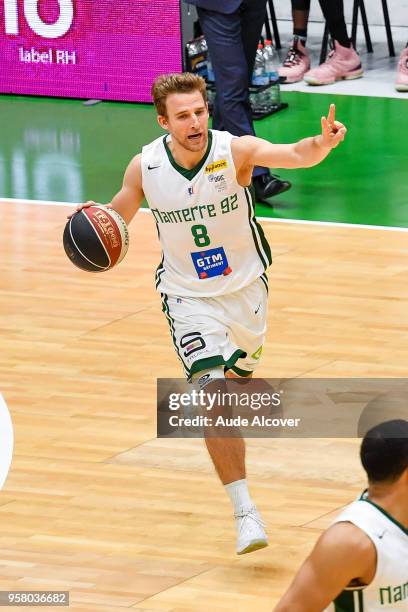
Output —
(333, 132)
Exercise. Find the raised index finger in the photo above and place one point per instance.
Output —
(331, 115)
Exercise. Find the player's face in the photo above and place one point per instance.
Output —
(187, 120)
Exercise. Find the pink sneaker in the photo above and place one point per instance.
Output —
(296, 64)
(342, 63)
(401, 84)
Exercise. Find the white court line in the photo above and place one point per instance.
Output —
(7, 441)
(389, 228)
(35, 202)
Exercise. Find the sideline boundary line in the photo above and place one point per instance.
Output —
(389, 228)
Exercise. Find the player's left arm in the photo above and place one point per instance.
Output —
(253, 151)
(343, 553)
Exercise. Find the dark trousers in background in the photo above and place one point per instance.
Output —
(232, 41)
(333, 12)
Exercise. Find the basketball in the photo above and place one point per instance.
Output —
(96, 238)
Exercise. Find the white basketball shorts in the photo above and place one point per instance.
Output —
(227, 330)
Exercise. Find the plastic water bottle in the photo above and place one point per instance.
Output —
(197, 54)
(260, 101)
(274, 92)
(202, 44)
(268, 100)
(270, 59)
(191, 50)
(259, 76)
(210, 71)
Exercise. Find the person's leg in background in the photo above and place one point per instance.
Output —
(230, 60)
(401, 83)
(232, 110)
(252, 17)
(333, 12)
(343, 62)
(297, 61)
(300, 16)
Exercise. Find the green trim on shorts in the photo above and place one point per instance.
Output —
(214, 361)
(241, 372)
(264, 279)
(159, 272)
(170, 321)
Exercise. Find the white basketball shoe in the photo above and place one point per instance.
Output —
(250, 531)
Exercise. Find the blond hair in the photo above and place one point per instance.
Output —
(167, 84)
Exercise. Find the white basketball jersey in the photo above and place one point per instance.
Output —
(211, 242)
(389, 589)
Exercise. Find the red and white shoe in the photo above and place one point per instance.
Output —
(401, 84)
(296, 64)
(342, 63)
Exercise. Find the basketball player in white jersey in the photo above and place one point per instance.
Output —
(360, 564)
(212, 277)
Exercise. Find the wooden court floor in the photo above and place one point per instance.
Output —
(94, 503)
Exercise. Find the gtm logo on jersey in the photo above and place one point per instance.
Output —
(216, 166)
(211, 263)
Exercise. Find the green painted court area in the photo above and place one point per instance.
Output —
(61, 150)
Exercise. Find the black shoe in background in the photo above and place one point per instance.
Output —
(267, 185)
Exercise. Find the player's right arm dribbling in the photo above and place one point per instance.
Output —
(128, 200)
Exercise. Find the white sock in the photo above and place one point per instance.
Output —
(239, 494)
